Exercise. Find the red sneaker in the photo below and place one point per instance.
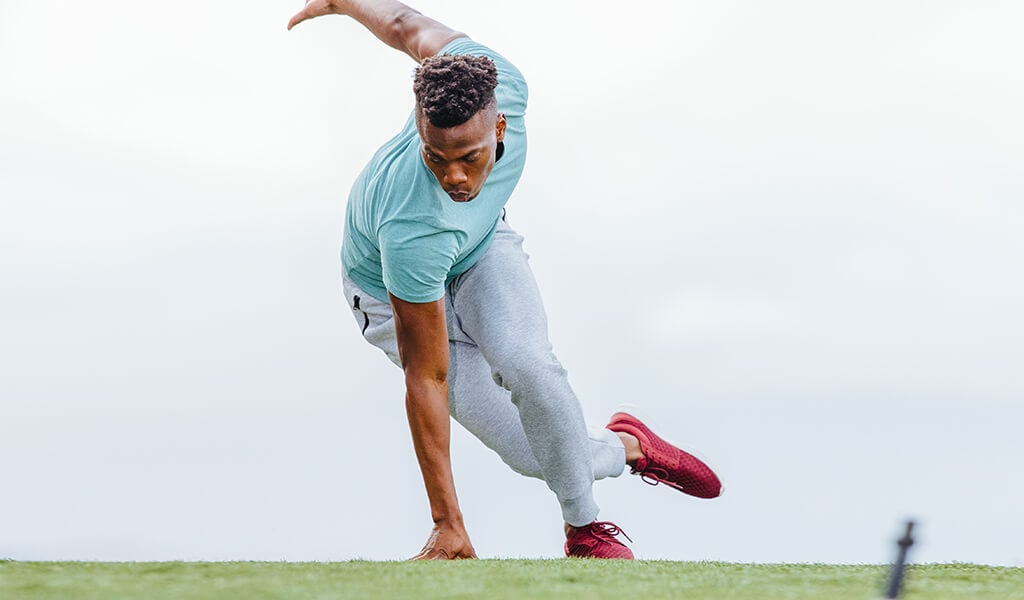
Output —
(596, 540)
(662, 462)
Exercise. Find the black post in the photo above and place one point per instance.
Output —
(896, 576)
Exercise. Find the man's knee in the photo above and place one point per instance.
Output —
(521, 372)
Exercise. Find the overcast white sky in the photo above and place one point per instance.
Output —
(789, 231)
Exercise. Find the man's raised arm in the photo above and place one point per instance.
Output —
(392, 22)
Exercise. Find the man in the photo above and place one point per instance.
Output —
(438, 280)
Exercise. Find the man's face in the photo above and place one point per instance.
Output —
(461, 157)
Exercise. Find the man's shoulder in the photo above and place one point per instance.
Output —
(466, 45)
(512, 91)
(395, 165)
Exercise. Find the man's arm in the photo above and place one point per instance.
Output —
(423, 347)
(392, 22)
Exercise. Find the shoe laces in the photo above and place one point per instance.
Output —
(606, 530)
(651, 475)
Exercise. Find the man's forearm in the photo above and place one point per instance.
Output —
(399, 26)
(426, 403)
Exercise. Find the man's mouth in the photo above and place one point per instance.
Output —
(459, 196)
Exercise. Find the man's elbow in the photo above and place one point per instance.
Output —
(417, 35)
(425, 377)
(403, 29)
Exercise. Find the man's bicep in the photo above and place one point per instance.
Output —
(429, 41)
(422, 332)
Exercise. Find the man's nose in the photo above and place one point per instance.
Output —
(455, 175)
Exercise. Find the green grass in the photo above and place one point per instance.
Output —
(497, 579)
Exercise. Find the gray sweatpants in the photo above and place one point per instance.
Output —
(505, 384)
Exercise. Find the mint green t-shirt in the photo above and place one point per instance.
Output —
(403, 233)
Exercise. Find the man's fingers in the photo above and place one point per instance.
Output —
(443, 554)
(299, 17)
(444, 544)
(313, 9)
(431, 555)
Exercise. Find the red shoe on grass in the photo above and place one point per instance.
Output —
(596, 540)
(664, 463)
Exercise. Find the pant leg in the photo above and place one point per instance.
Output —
(479, 404)
(498, 306)
(486, 410)
(374, 318)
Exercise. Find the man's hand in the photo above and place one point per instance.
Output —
(392, 22)
(316, 8)
(448, 541)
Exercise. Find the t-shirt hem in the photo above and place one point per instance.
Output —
(417, 299)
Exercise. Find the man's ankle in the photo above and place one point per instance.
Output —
(632, 445)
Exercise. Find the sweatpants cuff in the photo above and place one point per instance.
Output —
(609, 454)
(580, 511)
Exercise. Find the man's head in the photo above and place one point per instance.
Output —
(458, 121)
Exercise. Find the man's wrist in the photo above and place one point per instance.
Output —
(448, 518)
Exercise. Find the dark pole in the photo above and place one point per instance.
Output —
(896, 576)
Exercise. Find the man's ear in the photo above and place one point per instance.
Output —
(499, 127)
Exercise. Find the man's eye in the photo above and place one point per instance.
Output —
(472, 158)
(433, 158)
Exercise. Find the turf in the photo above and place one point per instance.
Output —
(497, 579)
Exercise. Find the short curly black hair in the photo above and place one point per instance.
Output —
(450, 89)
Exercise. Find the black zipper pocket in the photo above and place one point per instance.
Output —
(366, 317)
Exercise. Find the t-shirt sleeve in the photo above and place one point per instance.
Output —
(512, 92)
(415, 268)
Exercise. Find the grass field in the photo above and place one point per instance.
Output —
(498, 579)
